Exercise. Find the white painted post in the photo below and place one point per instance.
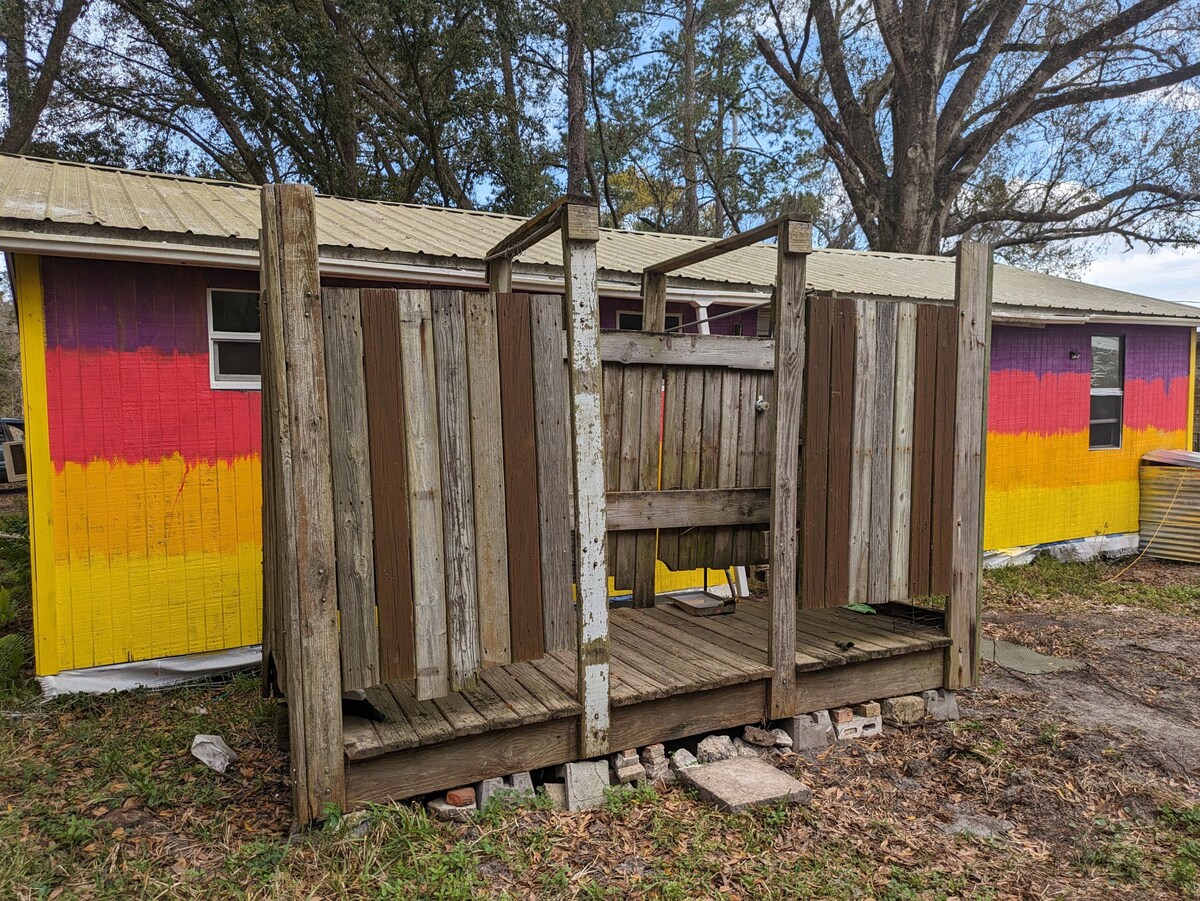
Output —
(580, 234)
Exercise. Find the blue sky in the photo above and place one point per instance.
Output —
(1167, 273)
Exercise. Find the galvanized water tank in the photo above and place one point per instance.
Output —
(1170, 505)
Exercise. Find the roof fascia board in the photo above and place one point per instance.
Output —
(238, 253)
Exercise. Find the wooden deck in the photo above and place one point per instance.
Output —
(524, 715)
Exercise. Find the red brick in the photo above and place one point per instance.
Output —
(460, 797)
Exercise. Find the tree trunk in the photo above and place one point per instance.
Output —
(690, 218)
(577, 156)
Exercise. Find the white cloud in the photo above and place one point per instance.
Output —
(1168, 273)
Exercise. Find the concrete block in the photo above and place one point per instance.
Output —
(441, 809)
(557, 793)
(624, 758)
(715, 747)
(764, 738)
(810, 732)
(682, 759)
(858, 727)
(743, 783)
(940, 704)
(634, 772)
(585, 783)
(869, 710)
(515, 788)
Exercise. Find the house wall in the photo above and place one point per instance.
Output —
(151, 526)
(1043, 482)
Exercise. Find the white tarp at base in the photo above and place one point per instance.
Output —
(150, 673)
(1077, 550)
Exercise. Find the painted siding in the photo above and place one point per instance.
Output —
(1043, 482)
(156, 483)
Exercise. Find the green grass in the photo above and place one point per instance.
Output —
(1150, 584)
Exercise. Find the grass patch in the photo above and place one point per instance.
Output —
(1047, 583)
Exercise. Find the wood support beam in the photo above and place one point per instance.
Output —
(580, 234)
(499, 275)
(793, 233)
(973, 298)
(787, 497)
(299, 496)
(654, 301)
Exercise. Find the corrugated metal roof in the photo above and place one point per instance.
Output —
(49, 194)
(1186, 459)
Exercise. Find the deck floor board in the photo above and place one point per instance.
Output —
(658, 652)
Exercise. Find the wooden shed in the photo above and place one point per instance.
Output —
(399, 428)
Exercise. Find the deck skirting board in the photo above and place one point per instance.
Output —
(883, 677)
(404, 774)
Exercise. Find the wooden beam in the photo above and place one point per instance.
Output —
(295, 387)
(690, 508)
(546, 223)
(499, 275)
(973, 294)
(591, 543)
(633, 348)
(793, 233)
(654, 301)
(787, 498)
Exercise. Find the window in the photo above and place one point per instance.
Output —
(628, 320)
(1108, 391)
(234, 352)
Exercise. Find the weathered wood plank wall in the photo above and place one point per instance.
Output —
(877, 453)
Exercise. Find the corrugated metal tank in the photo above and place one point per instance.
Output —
(1170, 505)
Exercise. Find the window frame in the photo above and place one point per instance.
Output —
(1107, 392)
(239, 382)
(677, 317)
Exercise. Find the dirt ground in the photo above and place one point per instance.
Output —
(1081, 785)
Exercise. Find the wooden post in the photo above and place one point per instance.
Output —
(787, 498)
(654, 301)
(973, 294)
(580, 234)
(499, 275)
(301, 496)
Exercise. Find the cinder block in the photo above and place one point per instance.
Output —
(515, 788)
(585, 782)
(940, 704)
(810, 732)
(858, 727)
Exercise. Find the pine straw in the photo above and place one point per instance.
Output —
(101, 798)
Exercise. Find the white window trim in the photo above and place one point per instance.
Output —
(1108, 392)
(673, 320)
(217, 381)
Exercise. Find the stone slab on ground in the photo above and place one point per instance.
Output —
(743, 783)
(441, 809)
(1025, 660)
